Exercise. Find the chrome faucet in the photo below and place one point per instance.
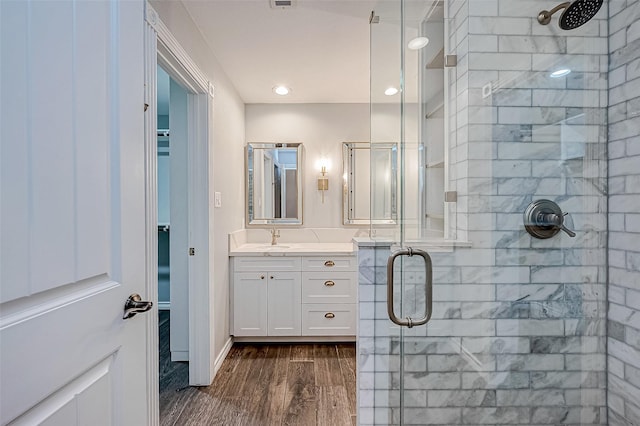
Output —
(275, 234)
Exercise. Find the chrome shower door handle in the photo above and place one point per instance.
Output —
(410, 322)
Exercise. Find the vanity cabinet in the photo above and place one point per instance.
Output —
(249, 303)
(294, 296)
(266, 304)
(283, 299)
(329, 296)
(266, 297)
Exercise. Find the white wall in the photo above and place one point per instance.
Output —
(321, 128)
(228, 159)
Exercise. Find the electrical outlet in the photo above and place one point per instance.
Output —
(217, 199)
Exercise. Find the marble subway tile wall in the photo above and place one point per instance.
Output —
(518, 329)
(484, 358)
(624, 213)
(530, 136)
(377, 345)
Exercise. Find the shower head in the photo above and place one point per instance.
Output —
(579, 13)
(575, 13)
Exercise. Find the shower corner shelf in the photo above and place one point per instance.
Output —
(435, 164)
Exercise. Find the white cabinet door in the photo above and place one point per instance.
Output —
(250, 304)
(72, 214)
(284, 304)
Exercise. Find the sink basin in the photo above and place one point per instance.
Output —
(276, 247)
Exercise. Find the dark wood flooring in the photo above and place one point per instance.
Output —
(263, 384)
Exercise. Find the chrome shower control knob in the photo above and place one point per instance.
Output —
(543, 219)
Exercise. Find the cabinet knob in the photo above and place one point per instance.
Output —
(329, 283)
(262, 277)
(271, 277)
(329, 263)
(329, 315)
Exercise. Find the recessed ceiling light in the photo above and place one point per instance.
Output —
(391, 91)
(281, 90)
(418, 43)
(560, 73)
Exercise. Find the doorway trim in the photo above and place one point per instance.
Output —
(161, 48)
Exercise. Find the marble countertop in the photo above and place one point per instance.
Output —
(293, 249)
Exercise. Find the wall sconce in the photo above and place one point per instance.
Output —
(323, 182)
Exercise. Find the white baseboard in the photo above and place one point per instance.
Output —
(223, 354)
(294, 339)
(164, 306)
(179, 356)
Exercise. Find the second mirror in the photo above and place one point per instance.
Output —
(364, 165)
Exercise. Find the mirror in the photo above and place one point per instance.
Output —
(365, 164)
(274, 184)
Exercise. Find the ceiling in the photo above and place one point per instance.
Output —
(318, 48)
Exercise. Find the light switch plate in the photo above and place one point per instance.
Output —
(217, 199)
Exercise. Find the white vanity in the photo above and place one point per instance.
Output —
(293, 291)
(293, 283)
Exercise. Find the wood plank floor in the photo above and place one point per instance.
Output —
(263, 384)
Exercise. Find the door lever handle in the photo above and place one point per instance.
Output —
(135, 305)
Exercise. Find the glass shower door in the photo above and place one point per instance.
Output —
(501, 129)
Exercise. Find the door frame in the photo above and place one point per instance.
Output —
(162, 48)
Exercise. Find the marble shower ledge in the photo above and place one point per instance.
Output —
(293, 249)
(431, 245)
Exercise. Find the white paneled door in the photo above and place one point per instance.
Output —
(72, 213)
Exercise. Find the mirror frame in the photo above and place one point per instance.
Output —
(270, 222)
(346, 199)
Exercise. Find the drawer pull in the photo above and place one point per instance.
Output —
(329, 283)
(329, 315)
(329, 263)
(271, 277)
(262, 277)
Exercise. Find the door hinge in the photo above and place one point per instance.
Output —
(192, 251)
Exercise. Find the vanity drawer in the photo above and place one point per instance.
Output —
(328, 287)
(329, 263)
(266, 263)
(322, 319)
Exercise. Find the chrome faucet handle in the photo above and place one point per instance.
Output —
(564, 228)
